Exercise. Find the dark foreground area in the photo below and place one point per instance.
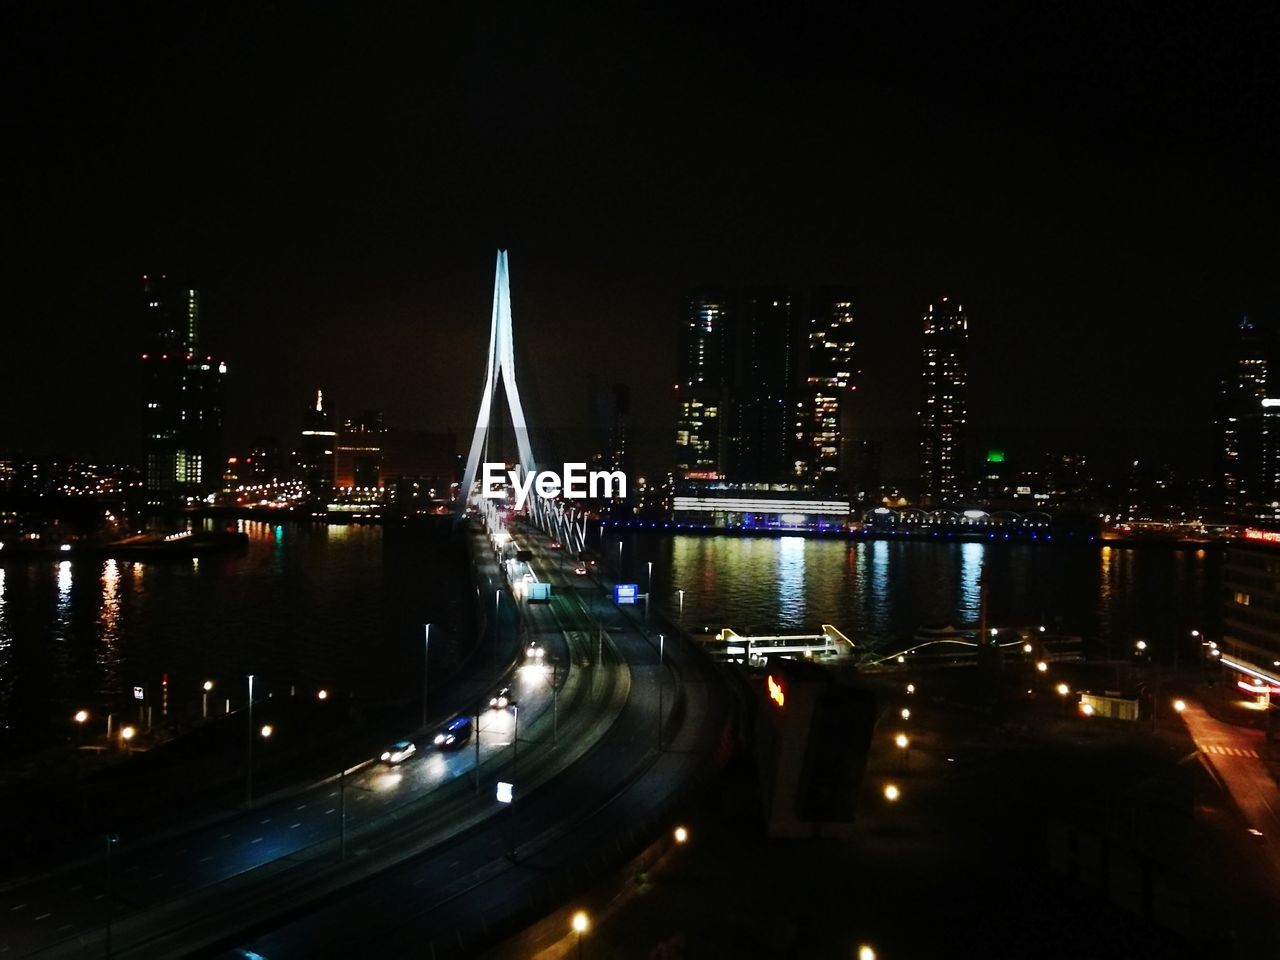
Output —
(1038, 834)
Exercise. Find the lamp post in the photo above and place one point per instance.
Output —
(661, 643)
(515, 742)
(204, 700)
(112, 840)
(903, 743)
(426, 645)
(680, 594)
(248, 767)
(580, 927)
(648, 591)
(555, 709)
(80, 718)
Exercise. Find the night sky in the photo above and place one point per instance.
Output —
(1095, 182)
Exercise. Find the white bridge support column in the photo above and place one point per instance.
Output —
(549, 515)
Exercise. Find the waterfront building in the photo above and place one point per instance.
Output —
(944, 409)
(182, 397)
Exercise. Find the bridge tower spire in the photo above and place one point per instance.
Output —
(502, 364)
(564, 523)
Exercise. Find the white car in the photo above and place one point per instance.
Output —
(398, 752)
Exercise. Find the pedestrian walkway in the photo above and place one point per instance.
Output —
(1232, 752)
(1222, 751)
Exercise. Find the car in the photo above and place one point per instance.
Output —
(501, 700)
(528, 578)
(535, 652)
(398, 752)
(455, 733)
(556, 544)
(580, 571)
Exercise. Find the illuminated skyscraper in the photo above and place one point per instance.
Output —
(1241, 428)
(825, 406)
(182, 397)
(706, 371)
(767, 419)
(944, 410)
(316, 456)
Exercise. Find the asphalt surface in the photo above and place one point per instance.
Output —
(67, 910)
(1235, 754)
(462, 895)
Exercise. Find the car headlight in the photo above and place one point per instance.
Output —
(386, 756)
(439, 738)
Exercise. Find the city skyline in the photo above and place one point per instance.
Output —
(870, 481)
(1035, 226)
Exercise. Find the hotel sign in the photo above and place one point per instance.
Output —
(1262, 536)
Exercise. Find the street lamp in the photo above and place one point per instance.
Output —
(267, 730)
(661, 647)
(81, 716)
(1179, 705)
(322, 694)
(204, 700)
(1042, 666)
(580, 925)
(1026, 648)
(911, 688)
(865, 952)
(681, 595)
(681, 835)
(426, 646)
(906, 713)
(126, 734)
(1086, 709)
(248, 767)
(891, 792)
(1141, 645)
(1063, 689)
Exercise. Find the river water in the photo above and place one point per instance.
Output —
(880, 592)
(342, 607)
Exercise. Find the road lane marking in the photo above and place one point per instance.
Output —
(21, 906)
(331, 810)
(294, 826)
(265, 822)
(156, 877)
(44, 916)
(301, 806)
(256, 840)
(206, 859)
(225, 836)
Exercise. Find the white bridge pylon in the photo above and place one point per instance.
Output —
(566, 524)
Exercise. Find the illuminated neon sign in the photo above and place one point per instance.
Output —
(1262, 536)
(776, 693)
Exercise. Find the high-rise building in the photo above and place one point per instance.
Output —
(831, 381)
(182, 397)
(1250, 644)
(767, 422)
(702, 392)
(316, 455)
(1240, 415)
(944, 409)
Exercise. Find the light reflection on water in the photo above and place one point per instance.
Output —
(340, 607)
(881, 592)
